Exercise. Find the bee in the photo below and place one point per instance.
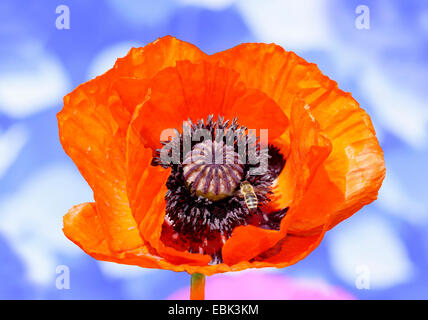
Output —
(249, 195)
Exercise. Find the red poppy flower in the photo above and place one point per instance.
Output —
(324, 161)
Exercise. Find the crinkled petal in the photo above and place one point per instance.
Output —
(146, 190)
(91, 136)
(145, 62)
(309, 149)
(197, 90)
(82, 225)
(93, 126)
(247, 242)
(355, 166)
(291, 249)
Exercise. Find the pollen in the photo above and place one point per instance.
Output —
(213, 170)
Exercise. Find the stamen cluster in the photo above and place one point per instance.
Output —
(203, 202)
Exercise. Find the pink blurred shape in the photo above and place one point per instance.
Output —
(265, 286)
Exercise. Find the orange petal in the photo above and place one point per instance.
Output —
(355, 167)
(291, 250)
(140, 64)
(144, 181)
(82, 226)
(247, 242)
(145, 62)
(146, 190)
(197, 90)
(131, 92)
(92, 138)
(263, 66)
(309, 149)
(131, 73)
(93, 126)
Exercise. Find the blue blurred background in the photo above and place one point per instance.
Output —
(385, 67)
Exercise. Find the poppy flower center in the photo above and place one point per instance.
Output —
(213, 170)
(206, 198)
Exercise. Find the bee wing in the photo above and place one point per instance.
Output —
(259, 190)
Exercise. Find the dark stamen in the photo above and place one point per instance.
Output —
(203, 201)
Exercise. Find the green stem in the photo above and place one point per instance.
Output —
(197, 286)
